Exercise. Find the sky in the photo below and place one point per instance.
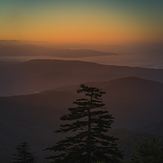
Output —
(89, 22)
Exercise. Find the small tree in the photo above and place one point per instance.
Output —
(149, 151)
(87, 123)
(23, 155)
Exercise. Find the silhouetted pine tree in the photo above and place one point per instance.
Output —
(23, 155)
(88, 123)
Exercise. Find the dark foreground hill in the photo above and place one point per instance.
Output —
(39, 75)
(136, 103)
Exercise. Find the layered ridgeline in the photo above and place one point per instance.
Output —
(138, 54)
(23, 50)
(135, 103)
(33, 76)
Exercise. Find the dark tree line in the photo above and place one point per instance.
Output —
(150, 150)
(23, 154)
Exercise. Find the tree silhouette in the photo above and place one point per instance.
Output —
(86, 127)
(23, 155)
(149, 150)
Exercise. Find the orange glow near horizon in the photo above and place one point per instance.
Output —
(70, 26)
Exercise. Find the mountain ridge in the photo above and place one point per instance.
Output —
(39, 75)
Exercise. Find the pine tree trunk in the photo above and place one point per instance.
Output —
(89, 133)
(89, 136)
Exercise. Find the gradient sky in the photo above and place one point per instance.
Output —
(82, 21)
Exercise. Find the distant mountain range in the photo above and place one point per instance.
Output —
(39, 75)
(26, 50)
(135, 103)
(148, 55)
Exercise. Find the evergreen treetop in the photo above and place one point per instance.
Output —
(86, 127)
